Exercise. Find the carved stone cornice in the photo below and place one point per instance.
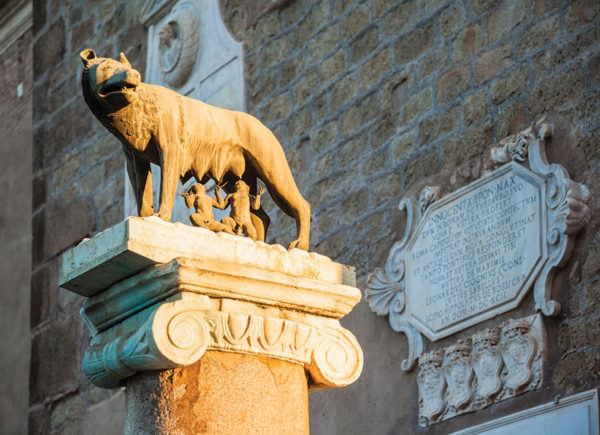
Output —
(163, 310)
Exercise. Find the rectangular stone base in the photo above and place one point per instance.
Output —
(137, 243)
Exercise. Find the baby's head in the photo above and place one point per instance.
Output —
(198, 189)
(240, 185)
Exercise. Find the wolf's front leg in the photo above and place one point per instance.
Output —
(168, 184)
(141, 181)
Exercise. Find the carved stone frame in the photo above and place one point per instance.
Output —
(566, 211)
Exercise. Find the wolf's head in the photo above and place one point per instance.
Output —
(108, 82)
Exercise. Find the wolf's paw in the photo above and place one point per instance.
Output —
(299, 244)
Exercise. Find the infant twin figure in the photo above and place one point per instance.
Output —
(240, 201)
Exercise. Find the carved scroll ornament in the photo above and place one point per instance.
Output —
(557, 211)
(178, 333)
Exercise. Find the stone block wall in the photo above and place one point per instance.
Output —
(375, 99)
(15, 229)
(372, 100)
(78, 190)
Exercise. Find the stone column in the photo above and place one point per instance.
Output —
(211, 333)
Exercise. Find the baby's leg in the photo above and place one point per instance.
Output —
(197, 220)
(217, 226)
(249, 230)
(231, 224)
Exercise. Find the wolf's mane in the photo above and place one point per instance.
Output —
(145, 103)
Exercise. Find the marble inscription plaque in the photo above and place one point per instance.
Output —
(476, 252)
(469, 255)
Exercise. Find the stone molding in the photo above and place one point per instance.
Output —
(579, 411)
(491, 366)
(160, 310)
(566, 210)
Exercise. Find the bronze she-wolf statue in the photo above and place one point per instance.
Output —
(188, 138)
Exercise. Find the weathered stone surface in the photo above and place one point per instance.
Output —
(475, 106)
(426, 163)
(364, 44)
(512, 120)
(402, 145)
(581, 12)
(488, 64)
(68, 168)
(355, 21)
(452, 84)
(374, 68)
(474, 141)
(223, 393)
(333, 66)
(541, 34)
(72, 214)
(111, 409)
(514, 83)
(467, 43)
(50, 48)
(452, 19)
(398, 18)
(439, 125)
(56, 358)
(417, 105)
(556, 90)
(323, 43)
(415, 43)
(506, 18)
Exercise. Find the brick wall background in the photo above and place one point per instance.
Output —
(372, 100)
(78, 184)
(15, 229)
(375, 99)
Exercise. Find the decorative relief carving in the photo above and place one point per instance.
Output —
(178, 48)
(476, 253)
(487, 364)
(487, 368)
(428, 196)
(432, 385)
(518, 351)
(178, 333)
(459, 374)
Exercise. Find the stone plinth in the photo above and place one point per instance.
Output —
(214, 314)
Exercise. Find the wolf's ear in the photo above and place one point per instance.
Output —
(88, 56)
(124, 60)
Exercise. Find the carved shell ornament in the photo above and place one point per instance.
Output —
(178, 48)
(402, 290)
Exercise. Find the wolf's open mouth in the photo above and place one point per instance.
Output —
(115, 88)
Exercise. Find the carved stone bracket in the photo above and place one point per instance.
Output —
(493, 365)
(557, 212)
(177, 334)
